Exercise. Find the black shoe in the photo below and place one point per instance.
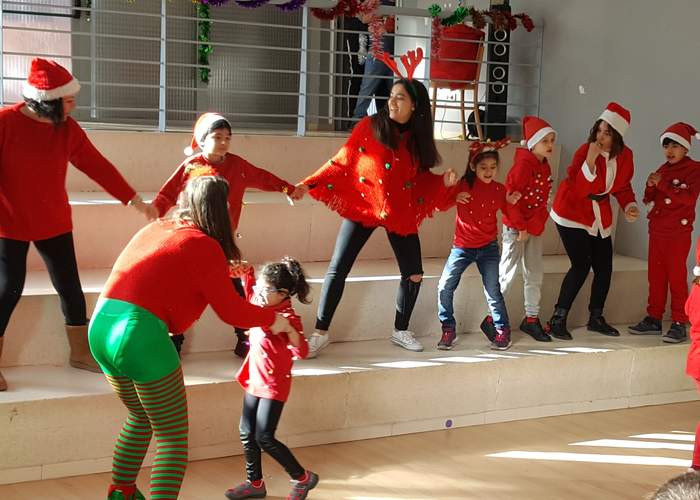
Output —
(534, 329)
(648, 326)
(242, 344)
(177, 340)
(676, 334)
(597, 323)
(488, 328)
(556, 326)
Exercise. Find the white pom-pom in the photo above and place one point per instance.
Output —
(523, 142)
(696, 271)
(697, 136)
(188, 151)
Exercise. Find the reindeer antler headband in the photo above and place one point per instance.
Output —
(477, 147)
(410, 61)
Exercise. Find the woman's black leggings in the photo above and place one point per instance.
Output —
(259, 421)
(351, 238)
(58, 254)
(585, 251)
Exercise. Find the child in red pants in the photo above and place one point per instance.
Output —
(670, 195)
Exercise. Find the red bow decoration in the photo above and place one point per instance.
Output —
(410, 61)
(477, 147)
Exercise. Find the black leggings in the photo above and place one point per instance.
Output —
(585, 251)
(259, 421)
(351, 238)
(58, 254)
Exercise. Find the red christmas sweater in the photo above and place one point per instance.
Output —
(174, 270)
(572, 206)
(476, 224)
(374, 185)
(34, 160)
(239, 173)
(672, 202)
(533, 179)
(692, 309)
(267, 369)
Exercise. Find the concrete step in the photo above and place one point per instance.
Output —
(35, 333)
(62, 422)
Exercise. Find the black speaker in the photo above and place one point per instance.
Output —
(497, 55)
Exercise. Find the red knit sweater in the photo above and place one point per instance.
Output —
(34, 160)
(174, 270)
(267, 370)
(476, 224)
(374, 185)
(240, 175)
(531, 178)
(672, 201)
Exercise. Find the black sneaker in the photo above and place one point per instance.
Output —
(533, 328)
(676, 334)
(599, 325)
(488, 328)
(556, 326)
(648, 326)
(448, 339)
(502, 340)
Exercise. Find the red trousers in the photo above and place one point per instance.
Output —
(667, 269)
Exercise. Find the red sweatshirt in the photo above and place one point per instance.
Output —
(673, 199)
(533, 179)
(476, 222)
(692, 309)
(240, 175)
(34, 160)
(267, 370)
(174, 270)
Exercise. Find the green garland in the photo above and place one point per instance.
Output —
(204, 48)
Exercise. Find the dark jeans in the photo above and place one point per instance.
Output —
(351, 238)
(375, 82)
(585, 252)
(58, 254)
(259, 421)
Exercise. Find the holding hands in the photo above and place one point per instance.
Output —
(631, 213)
(146, 209)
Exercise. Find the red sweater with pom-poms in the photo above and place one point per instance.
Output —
(533, 179)
(374, 185)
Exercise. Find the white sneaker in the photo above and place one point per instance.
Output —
(405, 339)
(317, 342)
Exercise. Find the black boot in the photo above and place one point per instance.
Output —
(533, 328)
(242, 344)
(556, 326)
(597, 323)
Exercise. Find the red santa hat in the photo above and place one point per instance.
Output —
(201, 129)
(534, 130)
(48, 80)
(681, 133)
(617, 117)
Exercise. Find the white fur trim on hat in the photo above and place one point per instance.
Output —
(615, 121)
(70, 88)
(539, 135)
(696, 271)
(675, 137)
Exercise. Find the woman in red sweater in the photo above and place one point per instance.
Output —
(381, 178)
(37, 140)
(162, 281)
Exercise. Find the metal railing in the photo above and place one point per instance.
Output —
(270, 70)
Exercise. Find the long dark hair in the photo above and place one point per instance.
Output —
(205, 204)
(52, 110)
(422, 141)
(470, 174)
(618, 144)
(288, 275)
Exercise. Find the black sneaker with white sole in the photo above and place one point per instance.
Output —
(648, 326)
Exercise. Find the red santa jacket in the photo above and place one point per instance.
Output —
(34, 160)
(672, 201)
(240, 175)
(374, 185)
(267, 369)
(533, 179)
(476, 223)
(573, 205)
(692, 309)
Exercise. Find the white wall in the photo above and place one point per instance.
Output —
(644, 54)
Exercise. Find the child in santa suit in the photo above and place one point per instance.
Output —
(38, 139)
(524, 223)
(582, 211)
(671, 194)
(212, 133)
(692, 368)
